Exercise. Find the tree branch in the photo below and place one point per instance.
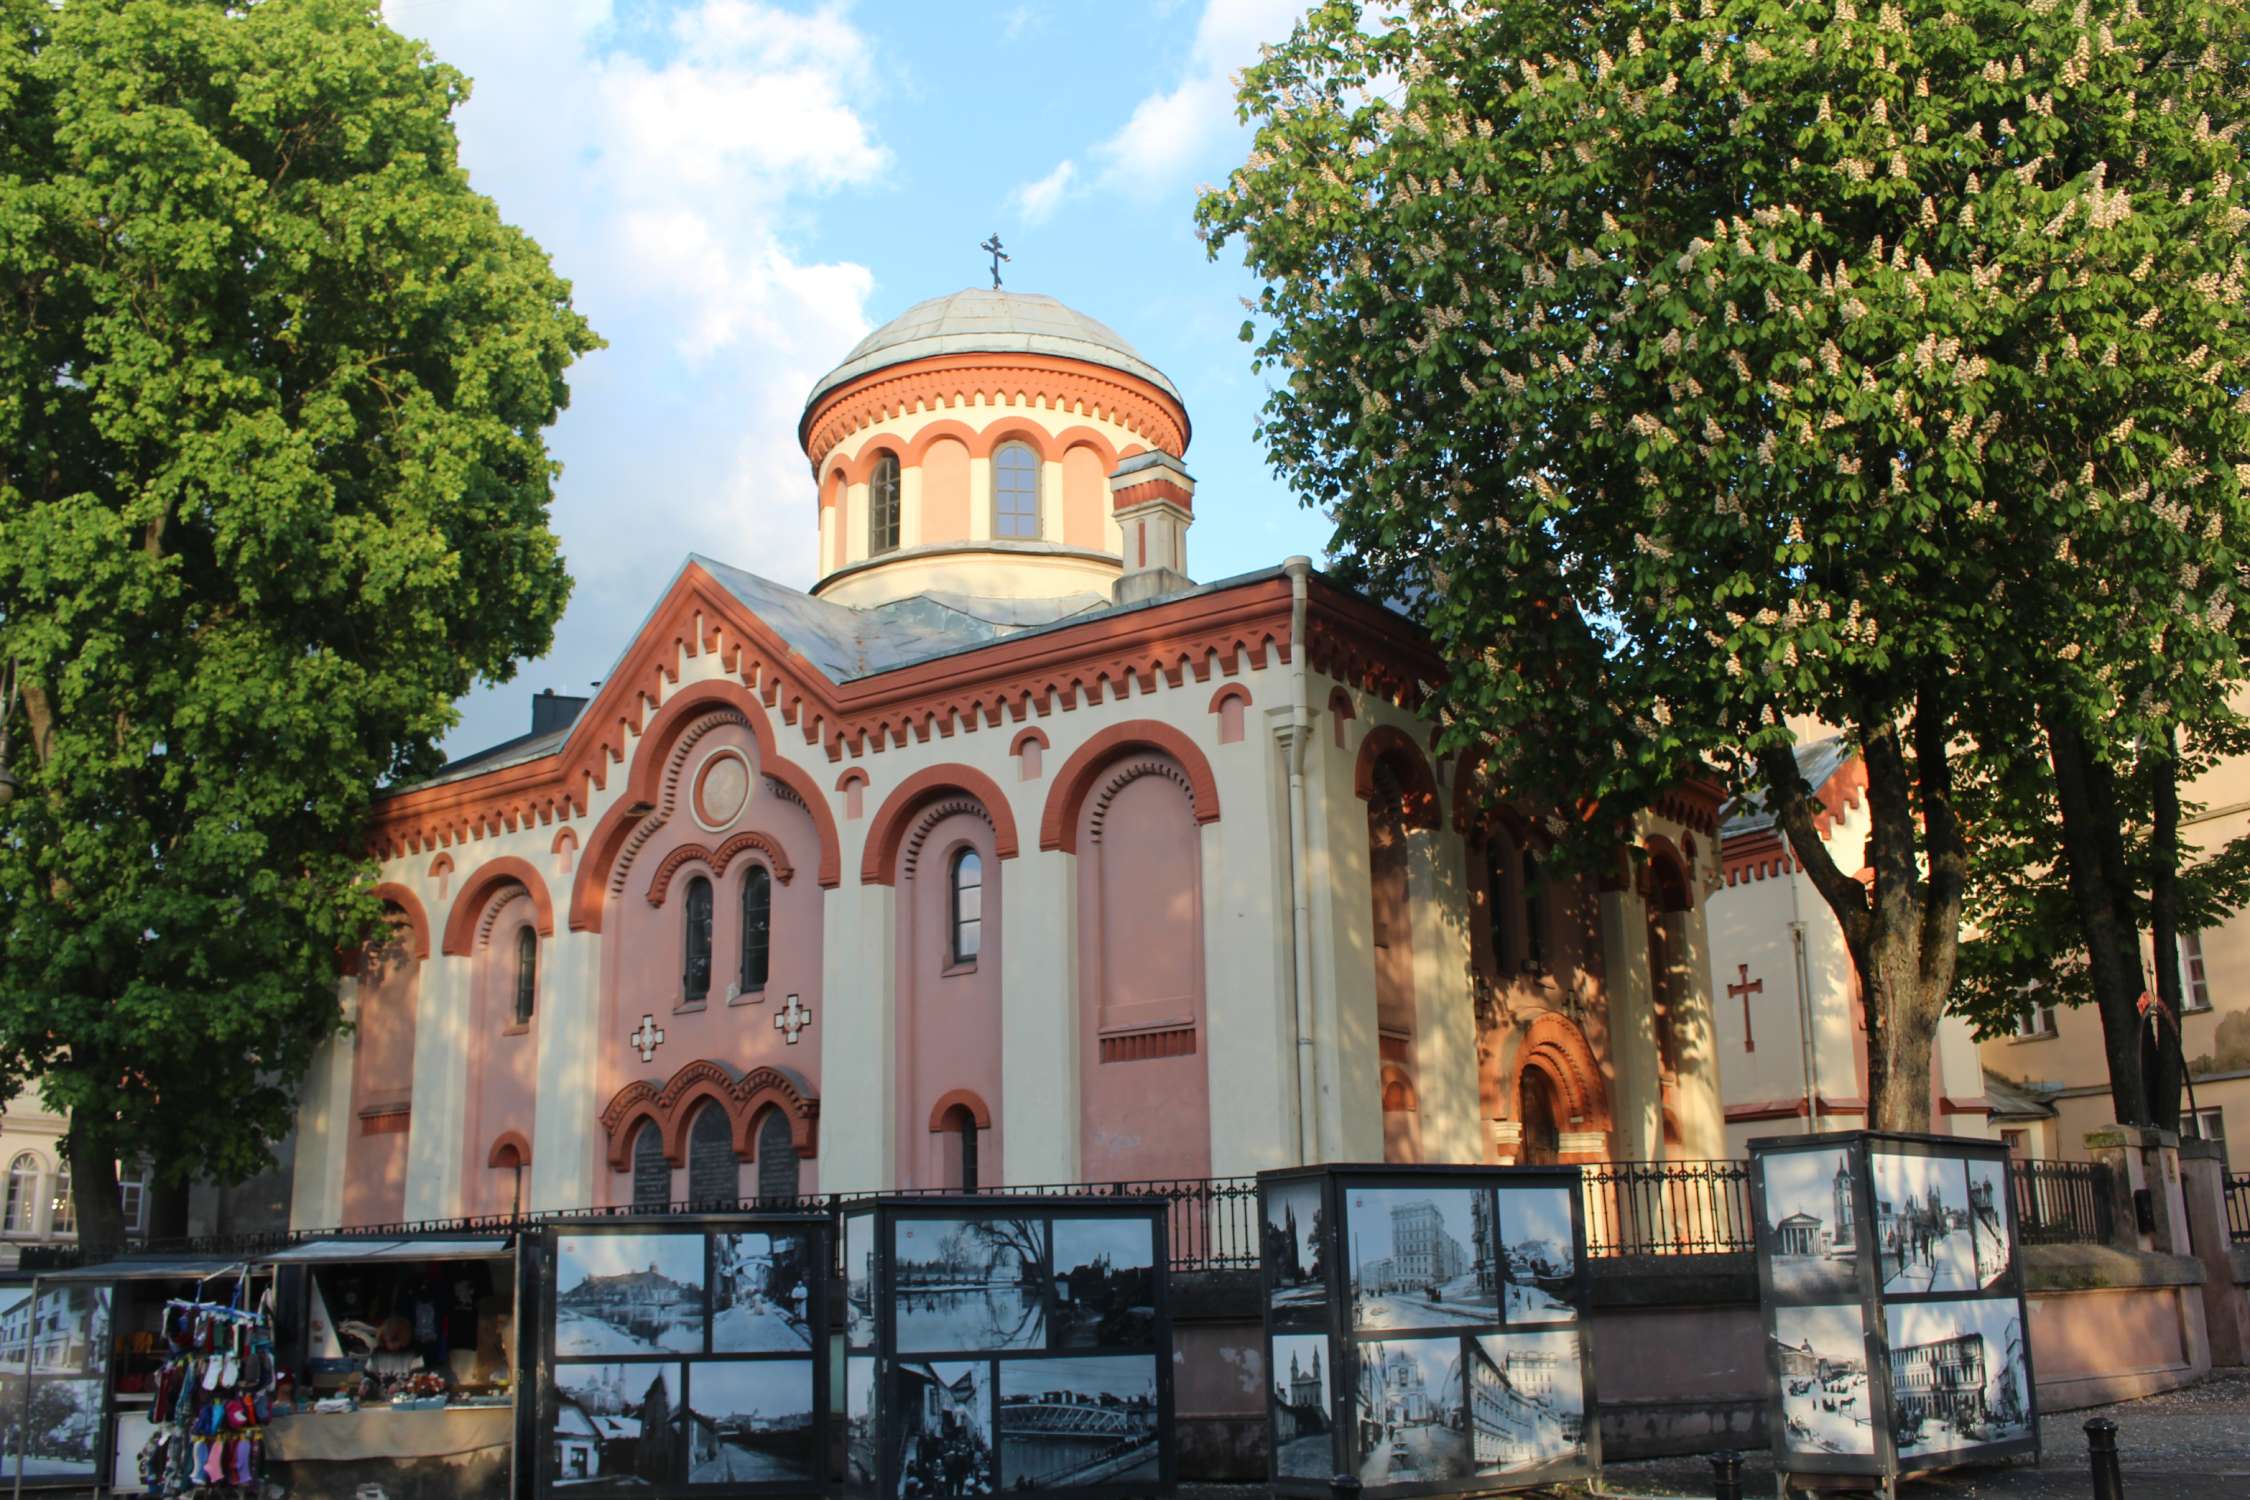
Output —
(1794, 808)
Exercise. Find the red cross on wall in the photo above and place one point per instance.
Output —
(1746, 988)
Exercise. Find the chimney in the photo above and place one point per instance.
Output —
(551, 711)
(1153, 497)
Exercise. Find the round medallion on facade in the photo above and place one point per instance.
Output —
(722, 790)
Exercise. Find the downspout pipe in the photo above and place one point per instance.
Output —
(1805, 1038)
(1297, 742)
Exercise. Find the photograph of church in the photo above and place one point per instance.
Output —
(1302, 1418)
(1806, 1224)
(848, 840)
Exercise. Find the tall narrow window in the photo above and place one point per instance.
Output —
(966, 905)
(777, 1157)
(527, 973)
(64, 1206)
(132, 1196)
(757, 928)
(2195, 984)
(1015, 492)
(23, 1192)
(1534, 913)
(713, 1175)
(652, 1174)
(695, 978)
(882, 507)
(1499, 911)
(968, 1123)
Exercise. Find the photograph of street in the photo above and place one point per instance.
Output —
(970, 1284)
(1077, 1421)
(1922, 1223)
(66, 1333)
(758, 1293)
(1408, 1412)
(1421, 1257)
(1541, 1265)
(944, 1423)
(859, 1280)
(1988, 1219)
(1805, 1225)
(1303, 1441)
(1819, 1358)
(1293, 1231)
(60, 1430)
(1105, 1283)
(862, 1459)
(629, 1294)
(748, 1421)
(1958, 1376)
(614, 1424)
(1525, 1400)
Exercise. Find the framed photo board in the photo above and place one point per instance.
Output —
(1889, 1282)
(54, 1382)
(1426, 1329)
(684, 1355)
(1007, 1343)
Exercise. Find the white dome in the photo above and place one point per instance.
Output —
(983, 321)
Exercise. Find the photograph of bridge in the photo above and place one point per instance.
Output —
(1819, 1357)
(1541, 1264)
(1302, 1413)
(1421, 1257)
(1922, 1223)
(1525, 1400)
(970, 1284)
(1105, 1283)
(942, 1412)
(1806, 1225)
(748, 1421)
(758, 1293)
(1411, 1424)
(629, 1294)
(1293, 1233)
(1078, 1421)
(862, 1454)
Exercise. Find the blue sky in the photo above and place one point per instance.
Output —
(739, 189)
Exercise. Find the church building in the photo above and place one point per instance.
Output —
(1004, 854)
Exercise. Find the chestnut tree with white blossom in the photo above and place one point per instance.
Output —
(1694, 366)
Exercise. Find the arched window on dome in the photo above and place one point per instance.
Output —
(1015, 492)
(882, 506)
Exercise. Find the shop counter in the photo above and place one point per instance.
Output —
(380, 1432)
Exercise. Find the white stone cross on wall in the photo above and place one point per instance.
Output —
(647, 1038)
(792, 1018)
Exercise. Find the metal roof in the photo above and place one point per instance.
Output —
(1817, 760)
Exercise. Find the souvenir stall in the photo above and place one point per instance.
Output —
(1008, 1343)
(1890, 1284)
(400, 1361)
(1426, 1329)
(683, 1355)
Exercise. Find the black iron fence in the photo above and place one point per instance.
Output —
(1667, 1208)
(2062, 1202)
(2238, 1209)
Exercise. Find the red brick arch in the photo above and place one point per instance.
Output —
(964, 1100)
(673, 1105)
(1387, 743)
(878, 865)
(410, 906)
(510, 1141)
(1058, 824)
(1555, 1044)
(479, 888)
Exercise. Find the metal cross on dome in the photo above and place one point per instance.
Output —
(791, 1020)
(647, 1038)
(992, 248)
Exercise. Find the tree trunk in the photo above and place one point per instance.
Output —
(2166, 1057)
(2112, 950)
(93, 1182)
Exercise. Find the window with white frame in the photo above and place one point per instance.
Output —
(132, 1196)
(2195, 981)
(63, 1206)
(2207, 1124)
(23, 1194)
(2034, 1019)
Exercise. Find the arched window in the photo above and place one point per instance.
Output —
(508, 1159)
(1534, 913)
(757, 928)
(882, 507)
(1015, 491)
(64, 1207)
(967, 1124)
(23, 1192)
(695, 976)
(652, 1174)
(777, 1157)
(712, 1177)
(527, 973)
(965, 904)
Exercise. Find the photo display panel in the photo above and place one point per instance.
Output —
(1888, 1278)
(1424, 1328)
(1015, 1343)
(54, 1362)
(681, 1355)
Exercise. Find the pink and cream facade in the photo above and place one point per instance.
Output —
(1005, 854)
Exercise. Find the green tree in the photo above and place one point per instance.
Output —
(273, 492)
(1690, 370)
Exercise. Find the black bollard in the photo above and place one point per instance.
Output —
(2101, 1451)
(1726, 1475)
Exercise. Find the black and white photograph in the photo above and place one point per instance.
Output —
(1297, 1270)
(15, 1329)
(629, 1294)
(1988, 1219)
(1411, 1427)
(1525, 1401)
(1819, 1358)
(760, 1293)
(1958, 1375)
(944, 1425)
(1806, 1225)
(1078, 1420)
(66, 1333)
(859, 1280)
(61, 1429)
(970, 1284)
(615, 1424)
(862, 1457)
(1421, 1257)
(748, 1421)
(1541, 1265)
(1105, 1284)
(1303, 1444)
(1922, 1224)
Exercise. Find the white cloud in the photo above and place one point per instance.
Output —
(1018, 21)
(1036, 202)
(1169, 131)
